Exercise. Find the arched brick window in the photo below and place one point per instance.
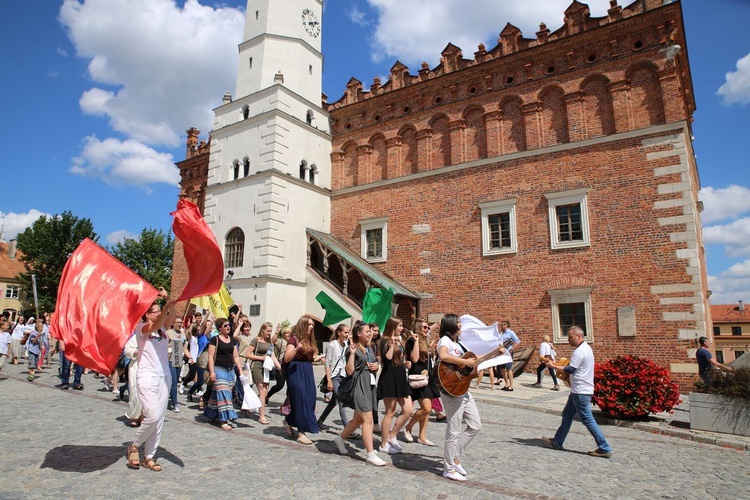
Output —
(441, 142)
(554, 117)
(234, 248)
(246, 167)
(645, 96)
(597, 107)
(513, 126)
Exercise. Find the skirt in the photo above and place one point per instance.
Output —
(302, 396)
(220, 405)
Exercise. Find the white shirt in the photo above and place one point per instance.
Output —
(546, 349)
(334, 358)
(453, 348)
(4, 341)
(153, 359)
(582, 381)
(19, 330)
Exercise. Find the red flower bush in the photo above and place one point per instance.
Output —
(633, 387)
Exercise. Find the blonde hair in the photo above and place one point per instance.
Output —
(545, 338)
(263, 327)
(390, 331)
(305, 338)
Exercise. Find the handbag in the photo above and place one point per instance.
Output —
(286, 407)
(323, 385)
(202, 360)
(25, 338)
(345, 394)
(418, 380)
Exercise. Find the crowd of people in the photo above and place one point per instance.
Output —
(216, 359)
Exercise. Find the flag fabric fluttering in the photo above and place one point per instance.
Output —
(377, 306)
(218, 303)
(481, 339)
(334, 312)
(202, 253)
(99, 302)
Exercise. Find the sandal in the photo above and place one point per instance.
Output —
(134, 457)
(264, 421)
(288, 428)
(135, 423)
(150, 463)
(226, 426)
(302, 439)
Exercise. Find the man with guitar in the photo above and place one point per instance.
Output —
(459, 404)
(581, 370)
(509, 339)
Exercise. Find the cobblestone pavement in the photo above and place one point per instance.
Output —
(72, 444)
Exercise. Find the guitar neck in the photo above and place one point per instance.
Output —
(487, 356)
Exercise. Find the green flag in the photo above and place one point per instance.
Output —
(376, 306)
(334, 312)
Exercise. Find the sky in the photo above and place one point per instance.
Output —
(98, 95)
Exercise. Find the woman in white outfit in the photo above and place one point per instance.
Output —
(458, 409)
(135, 410)
(153, 379)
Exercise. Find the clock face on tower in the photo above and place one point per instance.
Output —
(310, 23)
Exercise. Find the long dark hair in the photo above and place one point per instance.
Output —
(388, 335)
(449, 325)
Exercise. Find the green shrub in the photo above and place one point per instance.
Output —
(734, 384)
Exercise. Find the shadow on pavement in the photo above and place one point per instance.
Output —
(91, 458)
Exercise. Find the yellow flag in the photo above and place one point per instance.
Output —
(218, 303)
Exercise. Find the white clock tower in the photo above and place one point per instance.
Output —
(270, 169)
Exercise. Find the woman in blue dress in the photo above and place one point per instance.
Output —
(299, 354)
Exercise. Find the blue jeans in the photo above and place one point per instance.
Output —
(65, 371)
(581, 404)
(173, 388)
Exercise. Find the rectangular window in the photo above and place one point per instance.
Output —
(568, 219)
(499, 227)
(736, 330)
(250, 61)
(310, 69)
(719, 356)
(573, 314)
(569, 222)
(717, 330)
(737, 354)
(374, 239)
(12, 291)
(374, 243)
(571, 307)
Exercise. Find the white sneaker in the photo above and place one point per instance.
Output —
(377, 428)
(374, 459)
(453, 475)
(176, 409)
(199, 394)
(340, 445)
(181, 389)
(389, 449)
(460, 469)
(394, 444)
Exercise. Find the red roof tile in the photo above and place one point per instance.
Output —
(9, 268)
(729, 313)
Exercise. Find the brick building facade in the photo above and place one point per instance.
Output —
(547, 181)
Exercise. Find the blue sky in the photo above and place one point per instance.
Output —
(98, 95)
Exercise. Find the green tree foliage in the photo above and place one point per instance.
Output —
(45, 248)
(149, 255)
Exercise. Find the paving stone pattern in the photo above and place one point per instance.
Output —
(72, 444)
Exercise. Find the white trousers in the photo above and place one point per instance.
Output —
(134, 399)
(154, 393)
(459, 410)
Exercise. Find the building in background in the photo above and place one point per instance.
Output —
(13, 299)
(549, 181)
(731, 330)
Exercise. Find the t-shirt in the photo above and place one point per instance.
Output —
(4, 341)
(546, 349)
(508, 335)
(300, 354)
(703, 356)
(19, 330)
(454, 349)
(224, 353)
(153, 358)
(582, 380)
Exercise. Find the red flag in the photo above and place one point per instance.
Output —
(202, 253)
(99, 302)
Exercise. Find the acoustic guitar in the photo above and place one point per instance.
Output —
(565, 377)
(455, 380)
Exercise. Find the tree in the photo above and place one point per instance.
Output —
(149, 255)
(45, 248)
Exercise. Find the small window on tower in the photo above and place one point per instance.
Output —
(308, 118)
(250, 61)
(310, 69)
(256, 15)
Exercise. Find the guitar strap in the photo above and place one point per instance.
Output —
(466, 349)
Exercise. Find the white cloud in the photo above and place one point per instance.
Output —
(13, 223)
(724, 203)
(731, 285)
(735, 236)
(358, 17)
(417, 30)
(158, 69)
(124, 163)
(119, 236)
(736, 88)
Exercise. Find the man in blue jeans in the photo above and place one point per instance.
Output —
(581, 371)
(65, 371)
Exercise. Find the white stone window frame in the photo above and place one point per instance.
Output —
(572, 197)
(571, 296)
(368, 225)
(493, 208)
(12, 291)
